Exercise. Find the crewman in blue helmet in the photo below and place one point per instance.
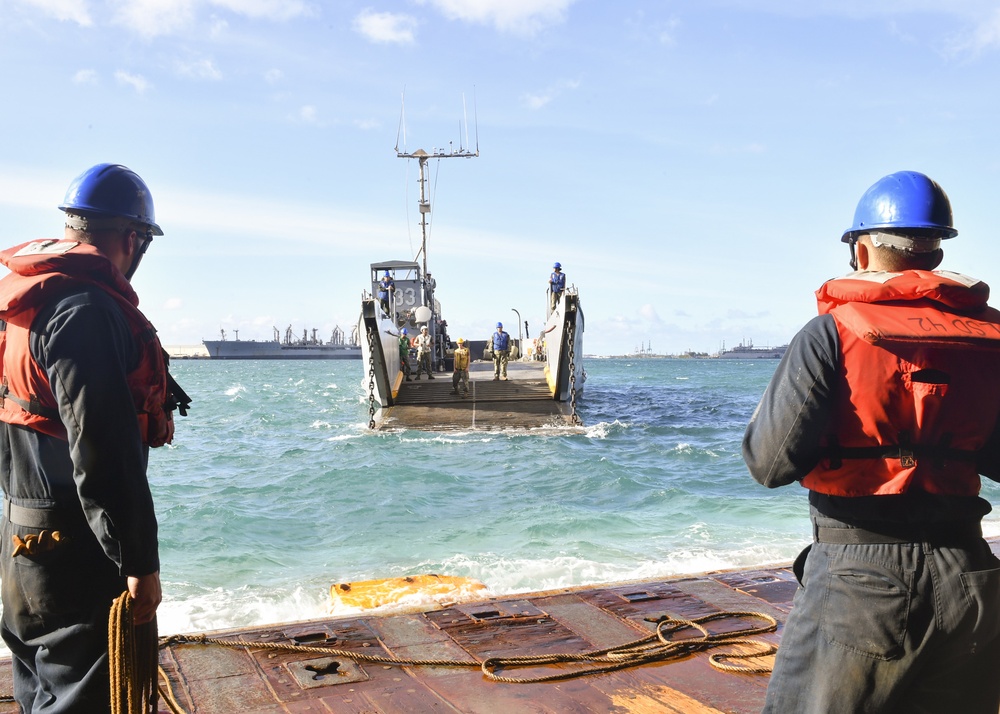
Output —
(886, 407)
(557, 284)
(501, 353)
(85, 394)
(386, 286)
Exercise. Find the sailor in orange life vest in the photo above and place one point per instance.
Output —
(886, 408)
(85, 392)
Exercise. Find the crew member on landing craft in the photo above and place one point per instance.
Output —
(461, 373)
(424, 353)
(85, 392)
(386, 286)
(430, 284)
(557, 284)
(404, 353)
(501, 352)
(887, 408)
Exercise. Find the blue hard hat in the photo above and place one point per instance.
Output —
(112, 190)
(404, 331)
(557, 265)
(901, 202)
(499, 324)
(386, 274)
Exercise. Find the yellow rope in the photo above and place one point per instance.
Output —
(132, 660)
(653, 648)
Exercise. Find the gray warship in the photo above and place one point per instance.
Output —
(290, 347)
(746, 350)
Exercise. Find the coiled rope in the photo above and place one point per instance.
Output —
(653, 648)
(657, 647)
(132, 658)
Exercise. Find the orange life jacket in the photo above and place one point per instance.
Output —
(918, 391)
(48, 269)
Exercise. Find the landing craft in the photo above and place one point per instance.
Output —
(545, 378)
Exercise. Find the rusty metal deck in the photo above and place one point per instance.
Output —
(211, 679)
(523, 401)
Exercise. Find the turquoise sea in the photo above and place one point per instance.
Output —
(274, 489)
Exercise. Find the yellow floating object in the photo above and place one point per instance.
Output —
(413, 592)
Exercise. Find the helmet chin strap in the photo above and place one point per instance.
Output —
(146, 239)
(854, 255)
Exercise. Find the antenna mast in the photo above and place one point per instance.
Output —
(422, 157)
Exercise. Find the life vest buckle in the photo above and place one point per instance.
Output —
(907, 459)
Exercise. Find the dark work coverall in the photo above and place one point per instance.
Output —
(93, 489)
(876, 626)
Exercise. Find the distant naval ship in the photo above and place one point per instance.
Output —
(291, 347)
(748, 351)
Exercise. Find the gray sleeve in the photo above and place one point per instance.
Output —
(783, 440)
(87, 350)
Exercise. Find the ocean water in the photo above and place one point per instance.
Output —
(274, 489)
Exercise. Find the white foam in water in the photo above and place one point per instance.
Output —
(506, 576)
(345, 437)
(221, 609)
(601, 429)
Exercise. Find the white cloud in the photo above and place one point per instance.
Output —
(367, 124)
(85, 76)
(984, 36)
(66, 10)
(173, 304)
(648, 312)
(21, 187)
(136, 81)
(218, 28)
(537, 100)
(266, 9)
(198, 69)
(666, 31)
(152, 18)
(524, 17)
(273, 76)
(386, 27)
(308, 114)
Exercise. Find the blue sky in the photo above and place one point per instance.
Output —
(691, 164)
